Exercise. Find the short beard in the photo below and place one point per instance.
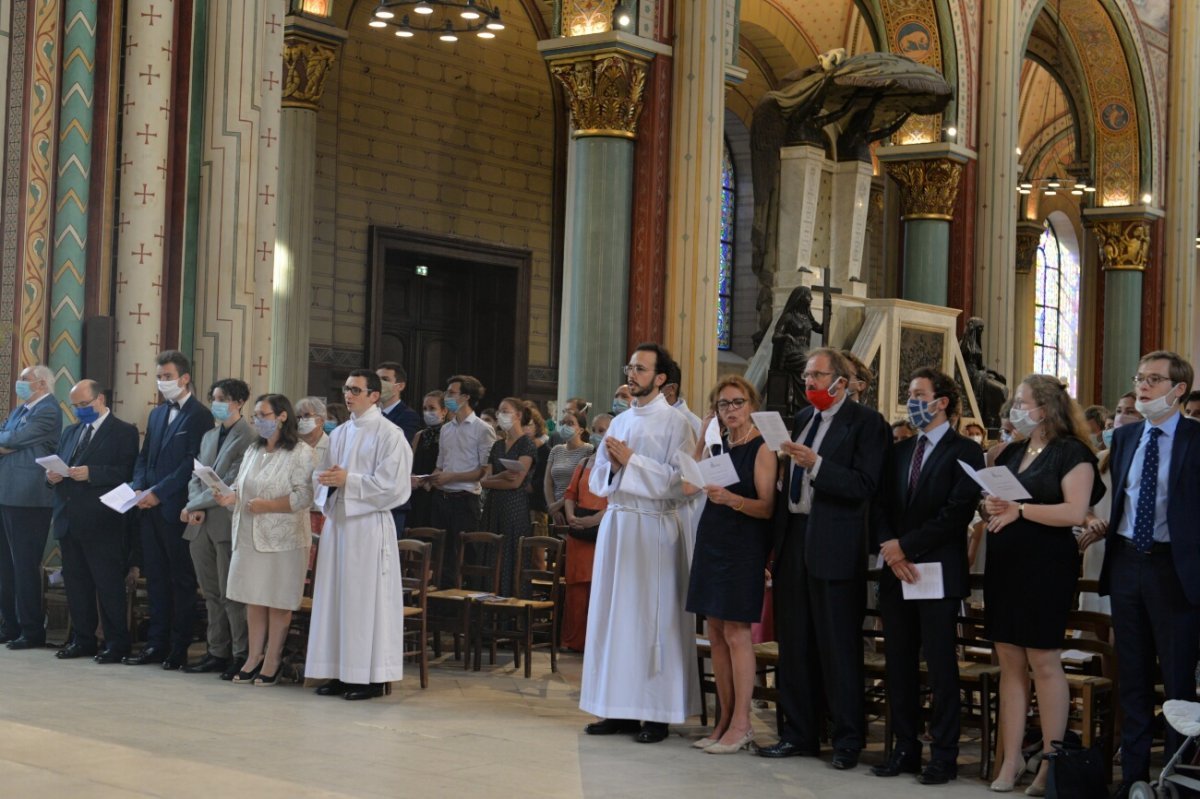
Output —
(637, 391)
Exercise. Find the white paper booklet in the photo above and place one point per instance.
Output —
(998, 481)
(929, 584)
(122, 498)
(53, 465)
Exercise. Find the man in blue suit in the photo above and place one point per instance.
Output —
(1152, 556)
(30, 432)
(163, 469)
(100, 450)
(393, 379)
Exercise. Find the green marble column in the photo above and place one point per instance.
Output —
(1122, 331)
(927, 260)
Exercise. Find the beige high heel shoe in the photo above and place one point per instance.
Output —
(704, 743)
(1000, 786)
(728, 749)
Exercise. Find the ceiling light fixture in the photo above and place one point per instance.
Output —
(445, 19)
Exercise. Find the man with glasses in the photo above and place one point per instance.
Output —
(639, 680)
(100, 450)
(356, 638)
(832, 475)
(30, 432)
(464, 446)
(1152, 556)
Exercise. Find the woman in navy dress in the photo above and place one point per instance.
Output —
(729, 563)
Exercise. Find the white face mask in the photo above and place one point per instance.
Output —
(1156, 408)
(1021, 421)
(432, 418)
(306, 426)
(505, 420)
(170, 389)
(978, 440)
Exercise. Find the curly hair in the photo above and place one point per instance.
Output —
(1063, 416)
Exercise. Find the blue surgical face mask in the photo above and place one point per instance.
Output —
(451, 404)
(1107, 436)
(266, 427)
(220, 410)
(24, 389)
(329, 426)
(919, 414)
(619, 405)
(87, 414)
(432, 418)
(596, 439)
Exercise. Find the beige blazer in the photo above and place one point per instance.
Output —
(276, 474)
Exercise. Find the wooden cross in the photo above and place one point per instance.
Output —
(149, 75)
(137, 374)
(263, 252)
(152, 15)
(143, 194)
(265, 195)
(139, 313)
(270, 137)
(141, 253)
(146, 134)
(262, 308)
(260, 367)
(827, 307)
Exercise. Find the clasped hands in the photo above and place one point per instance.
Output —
(334, 477)
(899, 563)
(618, 451)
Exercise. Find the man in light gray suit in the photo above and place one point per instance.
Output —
(209, 529)
(31, 431)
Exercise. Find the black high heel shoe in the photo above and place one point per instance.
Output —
(264, 680)
(247, 677)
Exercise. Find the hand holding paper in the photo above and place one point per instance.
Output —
(210, 478)
(54, 465)
(929, 584)
(774, 432)
(998, 481)
(718, 471)
(122, 498)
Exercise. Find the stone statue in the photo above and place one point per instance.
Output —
(791, 343)
(863, 98)
(990, 387)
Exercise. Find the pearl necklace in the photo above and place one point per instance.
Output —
(744, 438)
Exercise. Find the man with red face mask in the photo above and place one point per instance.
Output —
(834, 469)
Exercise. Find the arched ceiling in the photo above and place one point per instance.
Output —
(1045, 119)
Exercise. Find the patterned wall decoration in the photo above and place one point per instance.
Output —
(235, 257)
(581, 17)
(37, 182)
(72, 190)
(142, 204)
(912, 31)
(10, 202)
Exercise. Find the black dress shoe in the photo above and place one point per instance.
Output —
(371, 691)
(209, 664)
(613, 727)
(6, 637)
(151, 654)
(332, 688)
(108, 656)
(25, 643)
(652, 732)
(175, 662)
(938, 772)
(901, 762)
(72, 651)
(844, 759)
(787, 749)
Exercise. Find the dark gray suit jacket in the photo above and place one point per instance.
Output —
(218, 521)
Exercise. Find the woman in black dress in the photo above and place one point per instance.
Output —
(506, 510)
(425, 454)
(1033, 564)
(729, 563)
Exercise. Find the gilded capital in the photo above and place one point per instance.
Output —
(1029, 234)
(1124, 244)
(306, 65)
(606, 91)
(930, 187)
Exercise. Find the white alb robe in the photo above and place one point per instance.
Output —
(640, 661)
(357, 629)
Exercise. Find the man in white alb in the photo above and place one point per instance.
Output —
(357, 634)
(639, 666)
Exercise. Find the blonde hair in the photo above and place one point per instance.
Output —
(1062, 414)
(735, 381)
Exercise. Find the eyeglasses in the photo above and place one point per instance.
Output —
(355, 390)
(1150, 380)
(635, 368)
(816, 375)
(736, 404)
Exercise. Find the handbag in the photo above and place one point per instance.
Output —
(1076, 772)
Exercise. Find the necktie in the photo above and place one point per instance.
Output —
(84, 440)
(914, 473)
(1143, 521)
(797, 469)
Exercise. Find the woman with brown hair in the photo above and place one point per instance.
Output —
(1033, 564)
(506, 510)
(729, 564)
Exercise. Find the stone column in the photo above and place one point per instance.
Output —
(1124, 240)
(693, 244)
(72, 189)
(995, 245)
(143, 204)
(309, 49)
(1029, 233)
(605, 77)
(929, 190)
(1181, 288)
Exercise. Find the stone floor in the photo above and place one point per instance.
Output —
(75, 728)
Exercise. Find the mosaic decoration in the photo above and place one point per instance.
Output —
(10, 206)
(725, 265)
(912, 31)
(581, 17)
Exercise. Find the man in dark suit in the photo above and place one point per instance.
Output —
(100, 450)
(921, 517)
(163, 469)
(820, 563)
(30, 432)
(1152, 556)
(393, 378)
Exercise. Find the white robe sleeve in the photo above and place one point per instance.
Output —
(385, 480)
(643, 476)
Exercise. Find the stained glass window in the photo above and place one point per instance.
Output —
(725, 268)
(1056, 310)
